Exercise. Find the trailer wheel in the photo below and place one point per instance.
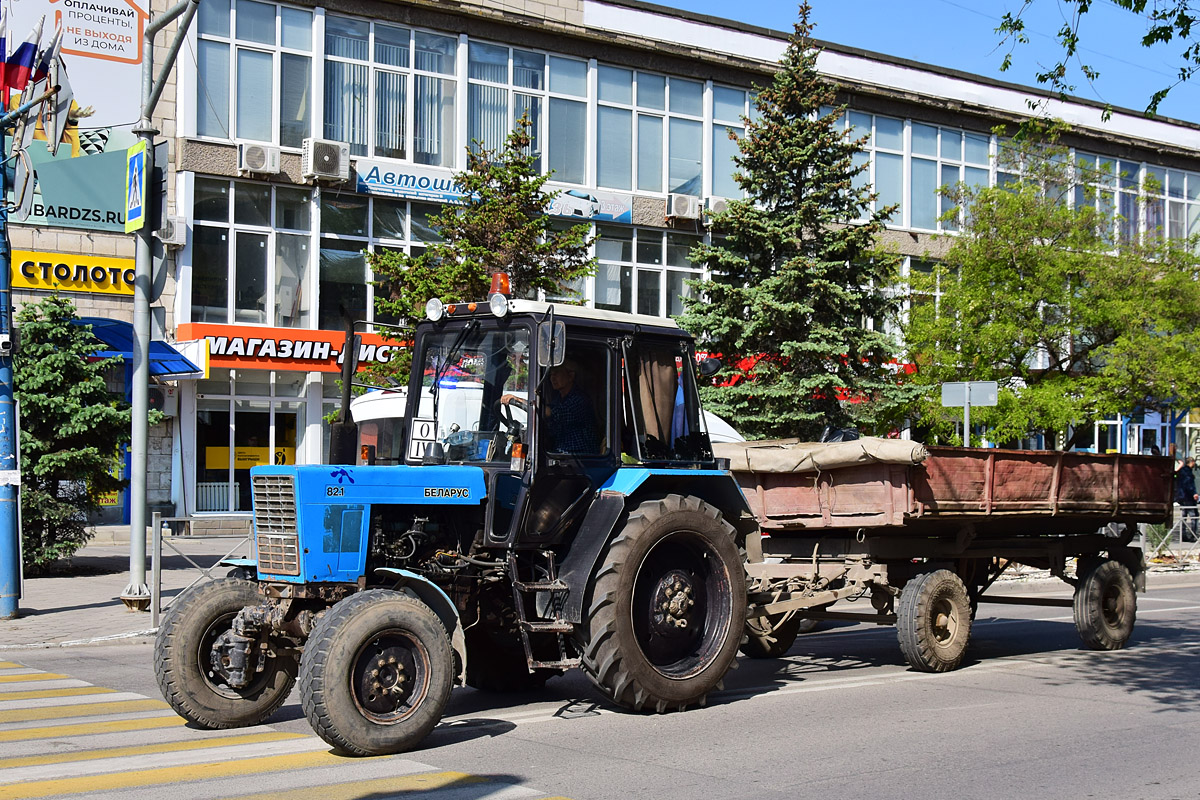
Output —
(1105, 605)
(196, 688)
(667, 607)
(773, 636)
(376, 673)
(933, 621)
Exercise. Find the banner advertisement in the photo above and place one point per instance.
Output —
(246, 347)
(64, 272)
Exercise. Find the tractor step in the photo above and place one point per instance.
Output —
(542, 586)
(547, 627)
(568, 663)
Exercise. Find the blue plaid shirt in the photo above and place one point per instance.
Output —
(571, 424)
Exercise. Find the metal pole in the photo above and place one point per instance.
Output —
(137, 595)
(10, 534)
(967, 417)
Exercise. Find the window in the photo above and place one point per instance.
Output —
(943, 157)
(380, 77)
(729, 106)
(643, 271)
(567, 140)
(504, 85)
(251, 253)
(254, 68)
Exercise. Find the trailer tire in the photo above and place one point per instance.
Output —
(355, 665)
(186, 676)
(774, 639)
(677, 552)
(1105, 605)
(933, 621)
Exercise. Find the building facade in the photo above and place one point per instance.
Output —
(631, 105)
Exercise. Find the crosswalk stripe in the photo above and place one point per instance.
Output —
(425, 782)
(12, 665)
(34, 676)
(71, 691)
(68, 700)
(169, 775)
(65, 683)
(142, 749)
(90, 728)
(63, 712)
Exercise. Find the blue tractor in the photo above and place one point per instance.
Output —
(552, 502)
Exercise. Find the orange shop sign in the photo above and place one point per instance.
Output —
(253, 347)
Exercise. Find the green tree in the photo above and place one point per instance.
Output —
(72, 429)
(795, 272)
(1074, 314)
(501, 226)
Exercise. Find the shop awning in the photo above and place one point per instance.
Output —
(165, 360)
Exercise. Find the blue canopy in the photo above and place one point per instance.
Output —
(165, 360)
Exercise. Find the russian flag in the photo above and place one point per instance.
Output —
(4, 55)
(20, 63)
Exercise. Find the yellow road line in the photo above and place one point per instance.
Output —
(91, 709)
(11, 665)
(167, 775)
(37, 694)
(37, 676)
(144, 749)
(89, 728)
(424, 782)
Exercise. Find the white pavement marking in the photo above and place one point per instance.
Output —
(25, 686)
(71, 700)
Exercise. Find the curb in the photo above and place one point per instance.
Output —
(132, 637)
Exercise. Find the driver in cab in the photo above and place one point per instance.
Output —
(570, 421)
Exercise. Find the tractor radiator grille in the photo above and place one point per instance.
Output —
(275, 523)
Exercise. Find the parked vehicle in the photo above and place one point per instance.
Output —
(557, 503)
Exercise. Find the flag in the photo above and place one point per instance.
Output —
(4, 57)
(20, 64)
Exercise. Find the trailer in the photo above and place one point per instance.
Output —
(924, 533)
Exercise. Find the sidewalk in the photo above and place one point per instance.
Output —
(86, 608)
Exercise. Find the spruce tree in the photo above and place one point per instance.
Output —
(794, 269)
(72, 429)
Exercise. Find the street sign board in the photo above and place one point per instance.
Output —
(135, 187)
(981, 393)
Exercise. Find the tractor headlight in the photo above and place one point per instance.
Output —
(434, 309)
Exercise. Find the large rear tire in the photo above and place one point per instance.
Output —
(1105, 605)
(933, 621)
(667, 607)
(376, 673)
(197, 688)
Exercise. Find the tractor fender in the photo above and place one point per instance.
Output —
(439, 602)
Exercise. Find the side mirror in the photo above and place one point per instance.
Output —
(710, 366)
(551, 343)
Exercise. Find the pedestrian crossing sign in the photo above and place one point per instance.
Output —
(135, 187)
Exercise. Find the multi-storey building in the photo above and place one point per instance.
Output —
(303, 134)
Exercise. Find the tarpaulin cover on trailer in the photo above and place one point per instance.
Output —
(793, 455)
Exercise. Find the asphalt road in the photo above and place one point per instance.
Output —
(1030, 715)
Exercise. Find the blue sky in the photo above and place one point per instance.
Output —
(961, 34)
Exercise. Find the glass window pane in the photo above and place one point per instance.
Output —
(433, 126)
(252, 204)
(687, 97)
(724, 151)
(860, 125)
(650, 153)
(1127, 174)
(487, 116)
(387, 219)
(889, 133)
(614, 147)
(295, 100)
(649, 291)
(614, 287)
(346, 38)
(250, 293)
(292, 209)
(391, 97)
(684, 164)
(650, 248)
(211, 200)
(487, 62)
(530, 107)
(976, 176)
(924, 194)
(924, 139)
(677, 290)
(291, 285)
(728, 104)
(422, 228)
(343, 279)
(568, 76)
(568, 132)
(254, 102)
(343, 214)
(1175, 184)
(950, 177)
(345, 113)
(615, 85)
(212, 93)
(1155, 180)
(256, 22)
(391, 45)
(529, 70)
(434, 53)
(889, 182)
(1193, 186)
(976, 149)
(213, 18)
(952, 142)
(679, 248)
(652, 91)
(296, 28)
(210, 274)
(614, 244)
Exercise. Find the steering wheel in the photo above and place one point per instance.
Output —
(504, 412)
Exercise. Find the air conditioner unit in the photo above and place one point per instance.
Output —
(173, 232)
(260, 158)
(683, 206)
(326, 160)
(165, 399)
(716, 205)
